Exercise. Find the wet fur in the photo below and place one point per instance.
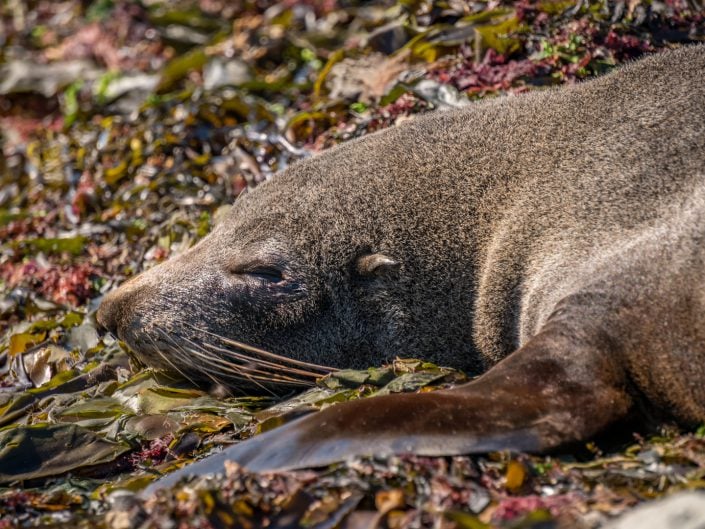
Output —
(566, 225)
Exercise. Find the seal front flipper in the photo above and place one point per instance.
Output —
(566, 384)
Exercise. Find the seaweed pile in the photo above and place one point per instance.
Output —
(127, 126)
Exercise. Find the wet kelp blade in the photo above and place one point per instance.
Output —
(43, 450)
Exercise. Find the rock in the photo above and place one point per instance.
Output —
(47, 79)
(441, 96)
(126, 510)
(128, 92)
(219, 72)
(685, 510)
(367, 78)
(83, 337)
(389, 38)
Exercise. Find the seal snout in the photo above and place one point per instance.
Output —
(106, 314)
(119, 307)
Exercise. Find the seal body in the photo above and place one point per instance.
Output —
(552, 241)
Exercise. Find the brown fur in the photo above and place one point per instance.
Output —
(561, 231)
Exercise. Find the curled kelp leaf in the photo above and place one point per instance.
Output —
(43, 450)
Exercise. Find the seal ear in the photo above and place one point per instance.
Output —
(376, 265)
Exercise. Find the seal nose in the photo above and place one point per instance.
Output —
(118, 305)
(107, 313)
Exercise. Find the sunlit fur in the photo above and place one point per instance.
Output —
(593, 193)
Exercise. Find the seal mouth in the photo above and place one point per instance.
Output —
(200, 355)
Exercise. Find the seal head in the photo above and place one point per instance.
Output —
(339, 261)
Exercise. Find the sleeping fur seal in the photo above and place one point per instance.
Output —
(554, 241)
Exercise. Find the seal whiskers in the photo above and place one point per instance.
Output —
(248, 371)
(183, 355)
(236, 365)
(283, 360)
(166, 359)
(282, 372)
(228, 374)
(231, 364)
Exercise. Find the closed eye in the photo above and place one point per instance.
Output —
(270, 274)
(267, 273)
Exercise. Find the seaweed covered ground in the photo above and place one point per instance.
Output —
(126, 126)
